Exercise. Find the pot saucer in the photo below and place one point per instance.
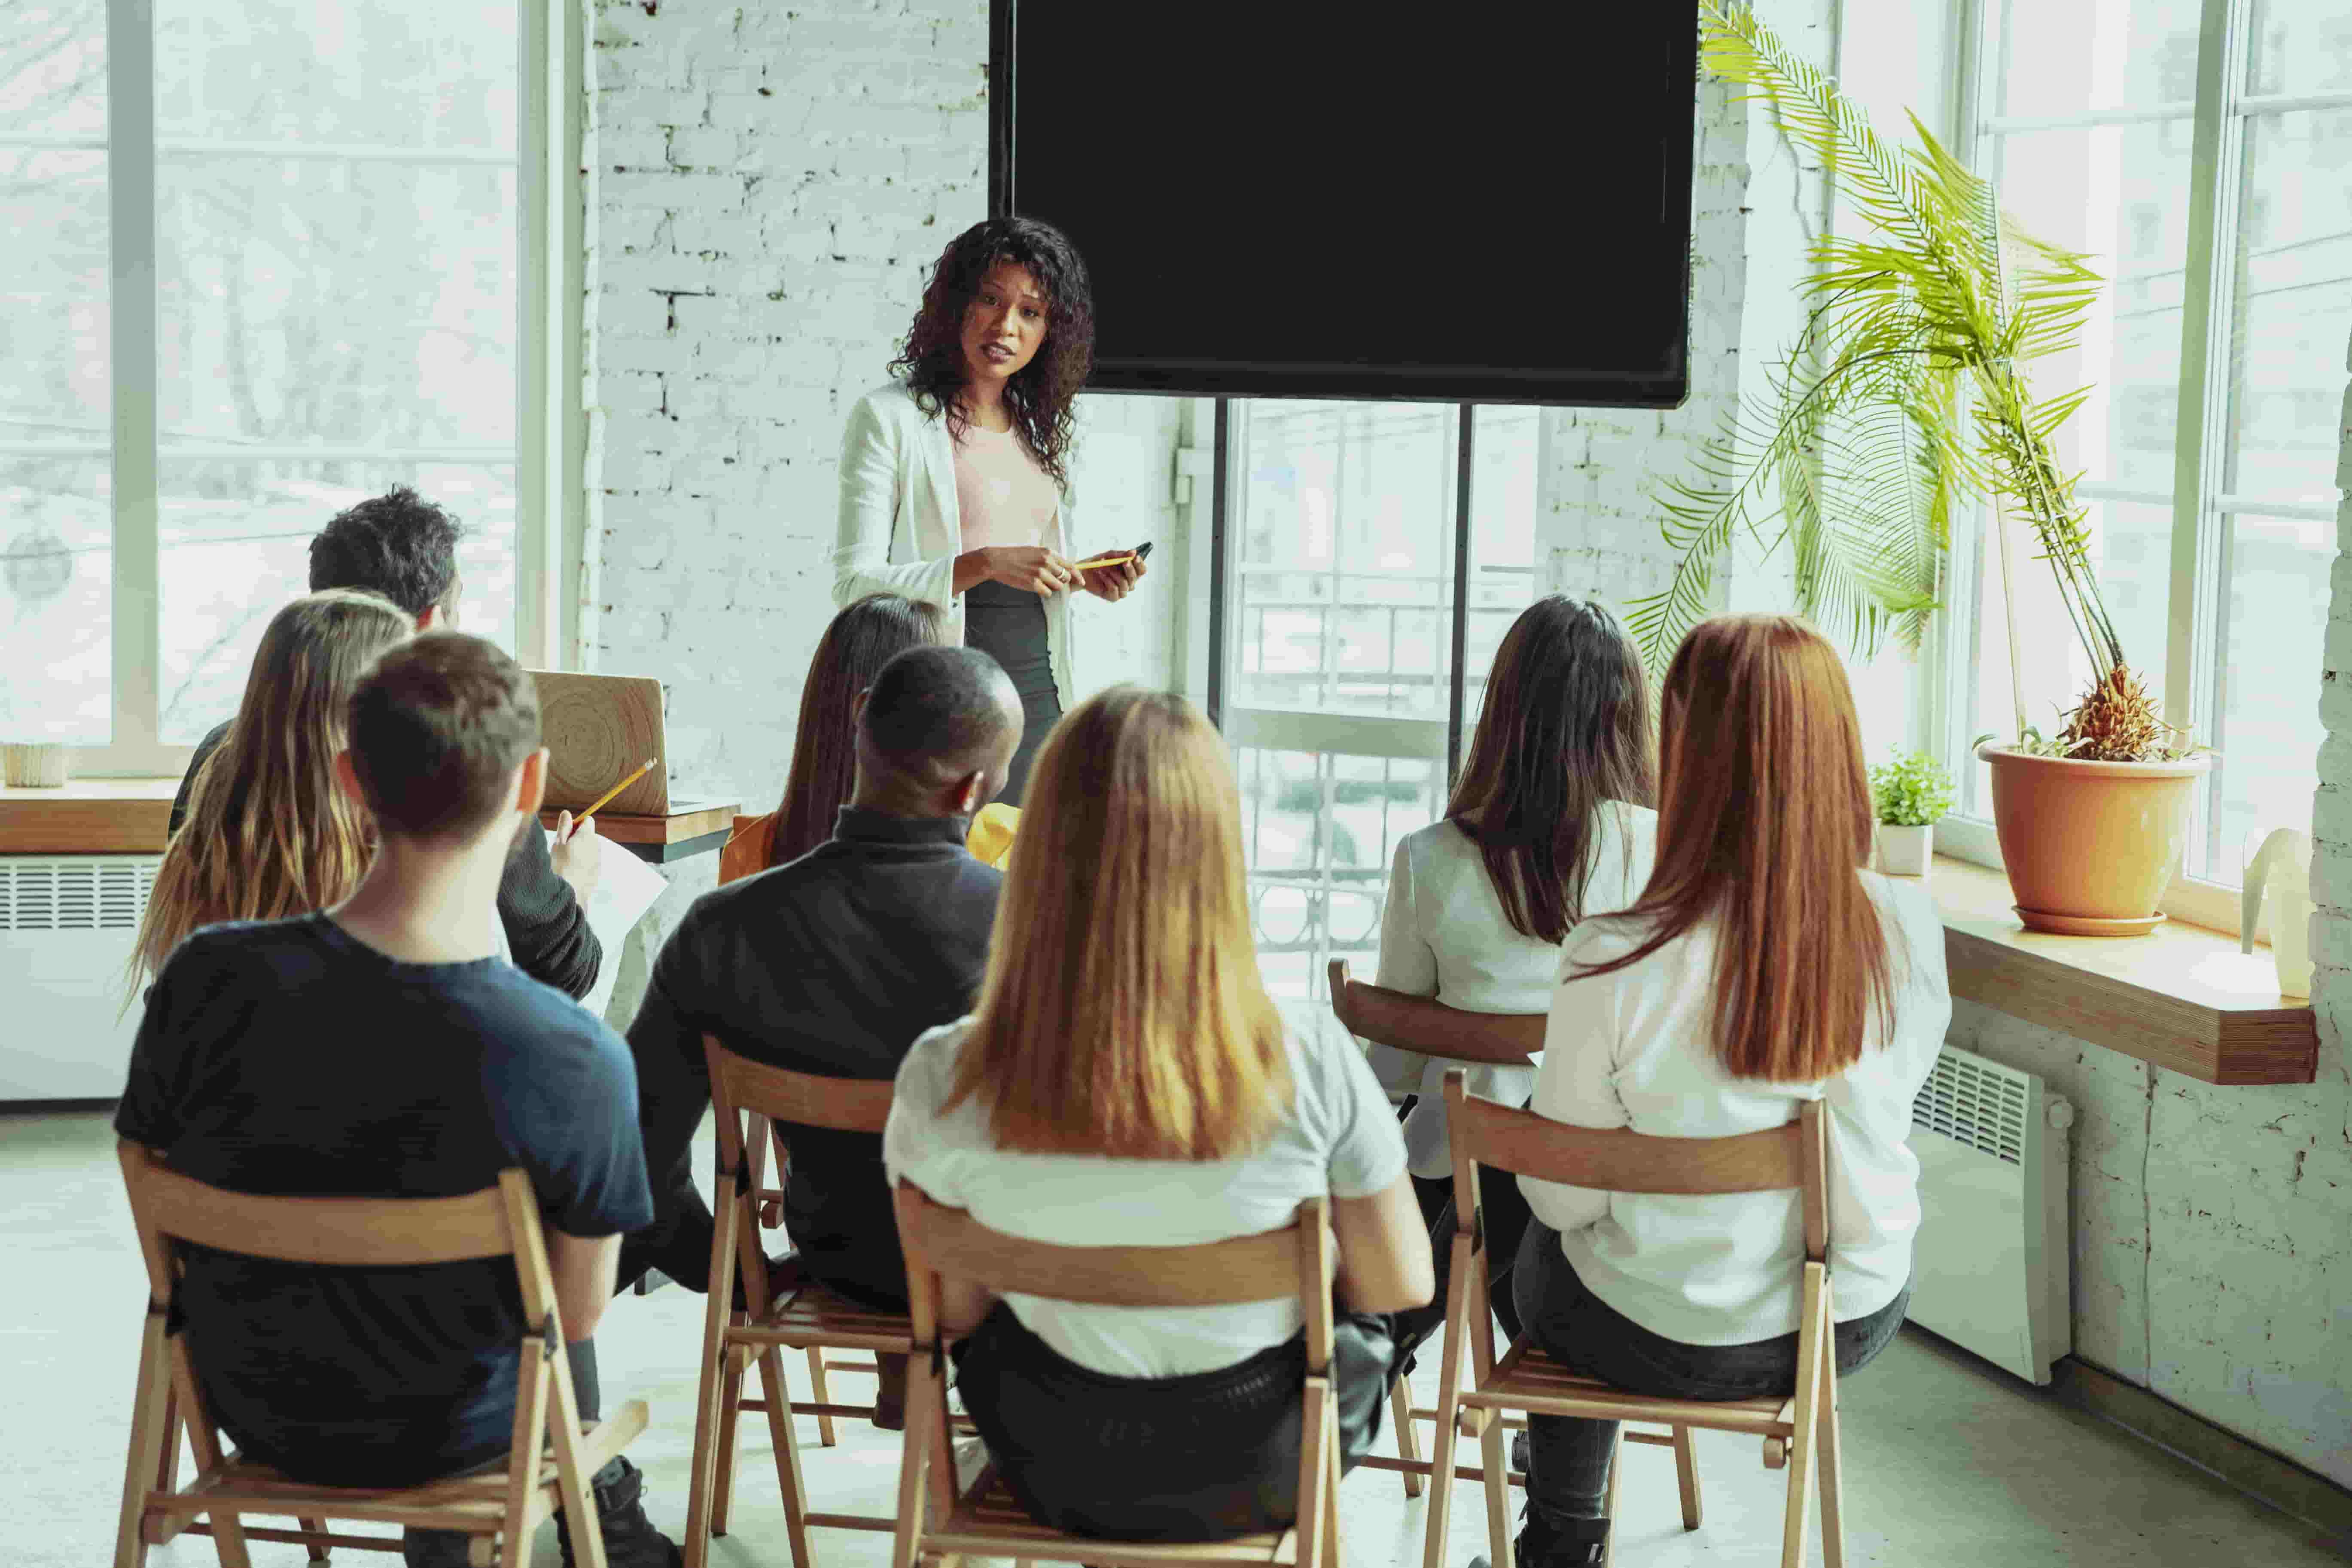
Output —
(2086, 925)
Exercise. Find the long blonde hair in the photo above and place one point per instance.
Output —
(267, 834)
(1123, 1012)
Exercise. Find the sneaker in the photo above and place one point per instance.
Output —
(630, 1539)
(970, 1457)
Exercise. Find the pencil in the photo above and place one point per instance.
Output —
(616, 789)
(1098, 563)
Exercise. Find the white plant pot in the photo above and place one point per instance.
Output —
(33, 766)
(1906, 851)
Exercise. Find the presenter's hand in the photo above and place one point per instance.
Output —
(1114, 583)
(578, 854)
(1030, 567)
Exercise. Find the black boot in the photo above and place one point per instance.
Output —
(630, 1539)
(1573, 1544)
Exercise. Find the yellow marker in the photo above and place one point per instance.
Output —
(609, 794)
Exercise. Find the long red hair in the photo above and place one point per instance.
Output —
(1764, 818)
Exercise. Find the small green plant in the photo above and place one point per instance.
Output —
(1912, 790)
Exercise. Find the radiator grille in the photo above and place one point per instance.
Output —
(1977, 1102)
(83, 892)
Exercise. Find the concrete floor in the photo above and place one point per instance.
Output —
(1950, 1461)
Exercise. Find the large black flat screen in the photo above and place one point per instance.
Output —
(1474, 202)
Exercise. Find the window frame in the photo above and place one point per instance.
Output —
(550, 424)
(2200, 511)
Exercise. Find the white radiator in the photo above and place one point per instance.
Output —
(1992, 1271)
(67, 923)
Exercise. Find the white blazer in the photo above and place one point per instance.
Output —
(900, 531)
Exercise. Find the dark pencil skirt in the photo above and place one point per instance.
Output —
(1009, 625)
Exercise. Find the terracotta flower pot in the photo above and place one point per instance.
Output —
(2089, 846)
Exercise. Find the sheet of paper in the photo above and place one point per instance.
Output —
(626, 888)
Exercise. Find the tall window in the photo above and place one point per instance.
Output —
(1341, 681)
(2203, 153)
(263, 265)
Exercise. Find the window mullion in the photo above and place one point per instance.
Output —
(136, 615)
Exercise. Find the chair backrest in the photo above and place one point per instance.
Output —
(1429, 1027)
(1295, 1261)
(745, 852)
(755, 1088)
(1794, 1155)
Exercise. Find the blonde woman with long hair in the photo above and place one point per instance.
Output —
(1126, 1078)
(1763, 965)
(267, 834)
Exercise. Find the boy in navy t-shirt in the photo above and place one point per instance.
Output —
(380, 1049)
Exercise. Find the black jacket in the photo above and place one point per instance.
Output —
(545, 924)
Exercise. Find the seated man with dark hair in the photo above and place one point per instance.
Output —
(403, 547)
(380, 1049)
(832, 964)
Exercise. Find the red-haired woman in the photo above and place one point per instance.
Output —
(1761, 967)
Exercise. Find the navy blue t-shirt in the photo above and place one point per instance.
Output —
(289, 1058)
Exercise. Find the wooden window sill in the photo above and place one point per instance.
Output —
(88, 816)
(2182, 997)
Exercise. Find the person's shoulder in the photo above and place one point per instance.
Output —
(1444, 836)
(929, 1069)
(1917, 922)
(227, 946)
(1602, 939)
(530, 1021)
(893, 400)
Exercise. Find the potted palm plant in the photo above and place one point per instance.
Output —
(1902, 396)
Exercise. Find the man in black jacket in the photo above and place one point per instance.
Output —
(406, 548)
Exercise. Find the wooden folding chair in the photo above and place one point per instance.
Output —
(750, 1100)
(499, 1509)
(1798, 1432)
(1434, 1029)
(936, 1525)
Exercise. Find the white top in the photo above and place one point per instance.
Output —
(1444, 934)
(1338, 1138)
(1634, 1049)
(901, 528)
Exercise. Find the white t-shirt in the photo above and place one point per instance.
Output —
(1634, 1048)
(1338, 1137)
(1444, 934)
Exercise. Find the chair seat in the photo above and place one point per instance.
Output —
(814, 1315)
(1528, 1379)
(475, 1503)
(988, 1522)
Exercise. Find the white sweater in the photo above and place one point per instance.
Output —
(1444, 934)
(1634, 1049)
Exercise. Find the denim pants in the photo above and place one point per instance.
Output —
(1567, 1470)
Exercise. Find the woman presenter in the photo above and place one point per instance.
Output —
(955, 486)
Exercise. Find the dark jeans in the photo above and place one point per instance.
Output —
(1205, 1457)
(1507, 1216)
(435, 1548)
(1568, 1472)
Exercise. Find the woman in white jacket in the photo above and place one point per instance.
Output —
(1549, 823)
(955, 486)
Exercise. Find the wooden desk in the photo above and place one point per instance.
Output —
(88, 816)
(692, 827)
(2181, 996)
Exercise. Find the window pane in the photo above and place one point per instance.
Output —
(1504, 573)
(2299, 45)
(53, 316)
(422, 74)
(2266, 693)
(235, 547)
(2106, 54)
(53, 68)
(1318, 831)
(2117, 193)
(56, 598)
(1343, 569)
(348, 303)
(2132, 546)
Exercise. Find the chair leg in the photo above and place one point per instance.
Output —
(1449, 1405)
(730, 1415)
(318, 1548)
(1832, 1486)
(788, 1453)
(709, 1396)
(1686, 1474)
(1803, 1442)
(1495, 1456)
(1407, 1445)
(824, 1394)
(1331, 1488)
(155, 1429)
(925, 1390)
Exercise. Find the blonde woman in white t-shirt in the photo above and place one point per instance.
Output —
(1551, 821)
(1763, 966)
(1126, 1078)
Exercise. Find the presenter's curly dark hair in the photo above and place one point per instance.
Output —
(1040, 397)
